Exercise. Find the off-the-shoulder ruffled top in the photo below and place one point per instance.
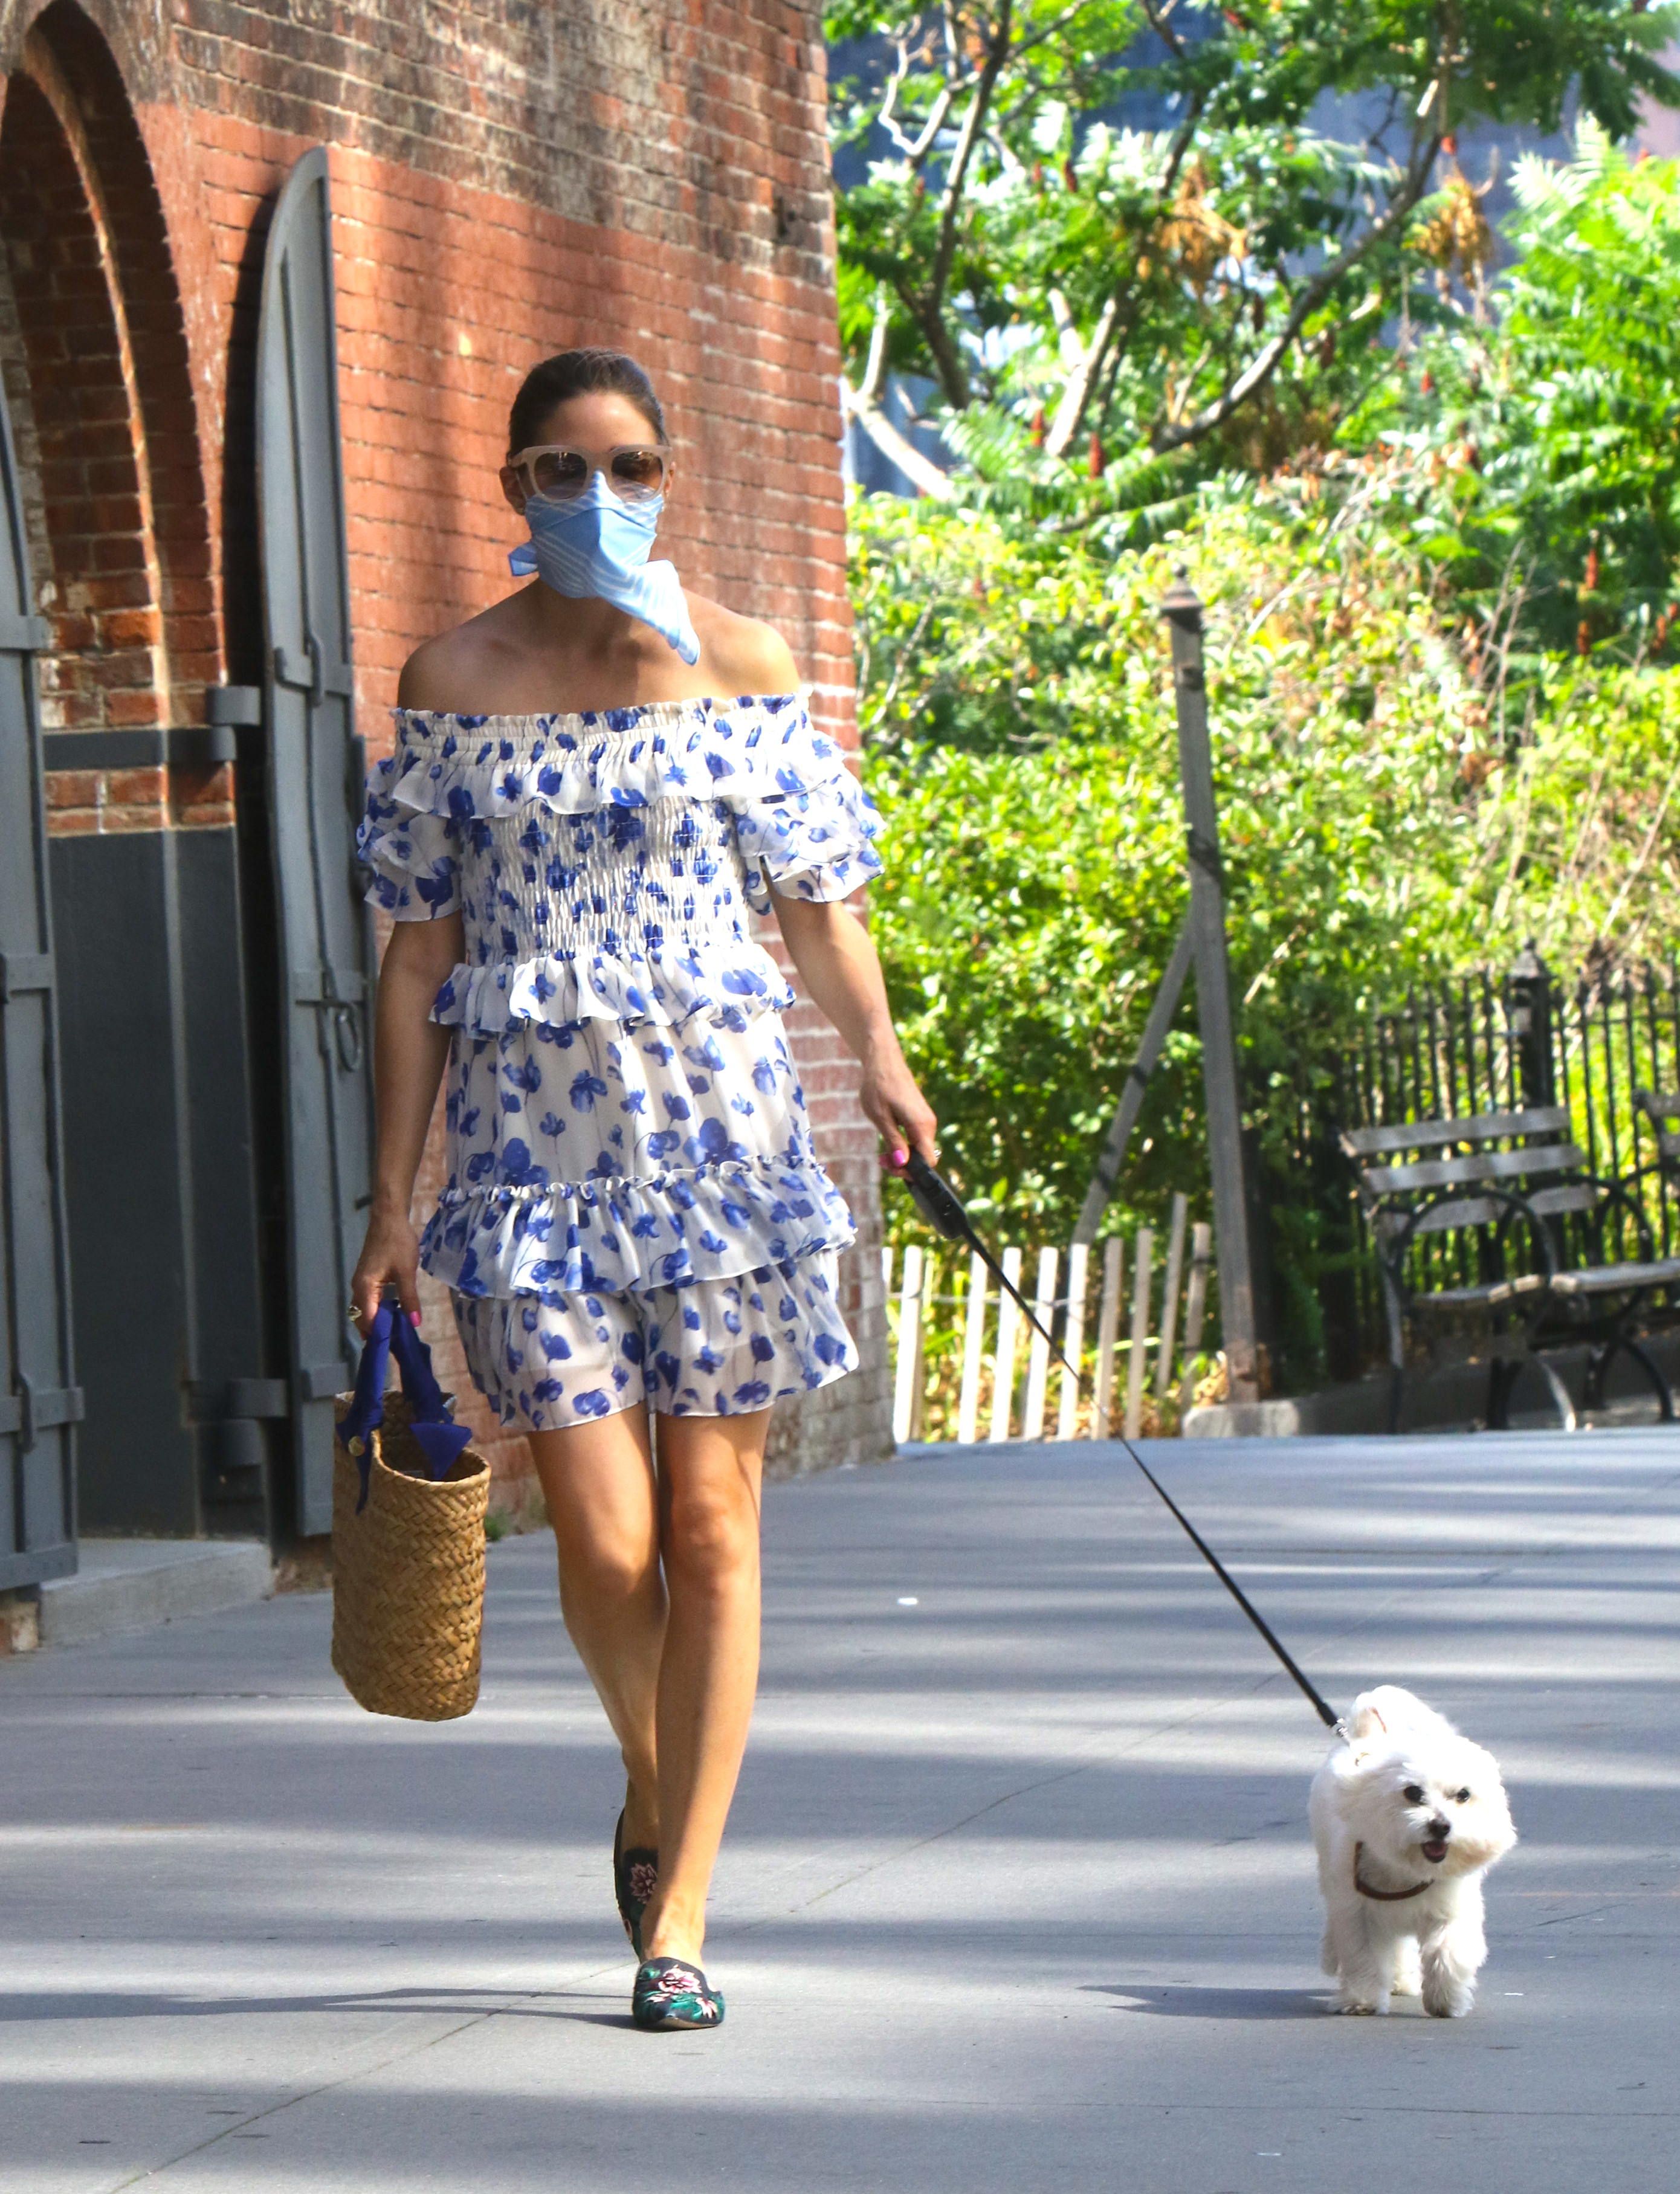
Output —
(623, 1111)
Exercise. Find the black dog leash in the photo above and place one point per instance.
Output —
(940, 1204)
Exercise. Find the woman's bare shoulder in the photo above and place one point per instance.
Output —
(741, 654)
(457, 669)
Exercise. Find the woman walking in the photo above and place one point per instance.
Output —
(571, 834)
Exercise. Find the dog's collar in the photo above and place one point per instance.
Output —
(1383, 1896)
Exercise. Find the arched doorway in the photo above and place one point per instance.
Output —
(160, 1162)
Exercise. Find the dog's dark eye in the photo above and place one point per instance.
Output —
(1413, 1794)
(1463, 1797)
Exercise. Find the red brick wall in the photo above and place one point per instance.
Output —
(99, 375)
(507, 180)
(101, 671)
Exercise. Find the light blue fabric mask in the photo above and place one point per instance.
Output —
(597, 544)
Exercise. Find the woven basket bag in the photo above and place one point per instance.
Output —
(408, 1555)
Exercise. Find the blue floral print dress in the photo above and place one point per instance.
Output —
(634, 1208)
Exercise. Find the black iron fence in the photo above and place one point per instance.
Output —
(1494, 1041)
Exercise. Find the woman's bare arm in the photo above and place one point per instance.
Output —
(842, 975)
(409, 1052)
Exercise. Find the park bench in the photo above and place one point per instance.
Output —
(1497, 1222)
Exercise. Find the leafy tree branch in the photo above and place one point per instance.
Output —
(1005, 235)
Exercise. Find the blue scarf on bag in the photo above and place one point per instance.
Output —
(597, 545)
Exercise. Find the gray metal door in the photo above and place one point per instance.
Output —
(315, 772)
(39, 1401)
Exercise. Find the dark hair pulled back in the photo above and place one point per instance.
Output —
(572, 373)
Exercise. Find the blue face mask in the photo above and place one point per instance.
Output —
(597, 544)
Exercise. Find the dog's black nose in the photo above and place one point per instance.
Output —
(1440, 1830)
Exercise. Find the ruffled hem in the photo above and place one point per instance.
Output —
(484, 766)
(818, 846)
(414, 872)
(552, 1240)
(715, 1351)
(730, 980)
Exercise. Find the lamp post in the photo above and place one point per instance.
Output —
(1182, 610)
(1529, 1011)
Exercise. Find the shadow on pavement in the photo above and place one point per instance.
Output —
(1216, 2003)
(21, 2009)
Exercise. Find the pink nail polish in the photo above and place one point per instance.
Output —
(414, 1318)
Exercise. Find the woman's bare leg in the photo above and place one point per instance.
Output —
(598, 1480)
(710, 1470)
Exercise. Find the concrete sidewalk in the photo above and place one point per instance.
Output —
(1019, 1895)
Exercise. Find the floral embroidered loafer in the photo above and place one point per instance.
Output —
(635, 1874)
(669, 1995)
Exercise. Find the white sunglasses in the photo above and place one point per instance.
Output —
(558, 474)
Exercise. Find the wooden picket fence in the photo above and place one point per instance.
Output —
(957, 1356)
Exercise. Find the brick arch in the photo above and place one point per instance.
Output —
(123, 506)
(99, 594)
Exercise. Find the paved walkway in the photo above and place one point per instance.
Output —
(1019, 1898)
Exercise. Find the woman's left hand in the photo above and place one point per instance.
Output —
(889, 1094)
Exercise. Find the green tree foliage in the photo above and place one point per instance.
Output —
(1179, 346)
(1218, 283)
(1019, 738)
(1545, 429)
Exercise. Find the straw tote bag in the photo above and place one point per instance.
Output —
(409, 1497)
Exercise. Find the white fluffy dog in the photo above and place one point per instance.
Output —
(1407, 1817)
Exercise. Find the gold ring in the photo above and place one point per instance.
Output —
(355, 1311)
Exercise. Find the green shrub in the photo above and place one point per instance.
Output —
(1544, 433)
(1376, 827)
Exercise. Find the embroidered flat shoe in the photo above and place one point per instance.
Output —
(635, 1874)
(669, 1995)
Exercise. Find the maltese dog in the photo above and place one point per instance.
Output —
(1407, 1817)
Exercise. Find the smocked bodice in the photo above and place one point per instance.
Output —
(606, 864)
(622, 1104)
(617, 879)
